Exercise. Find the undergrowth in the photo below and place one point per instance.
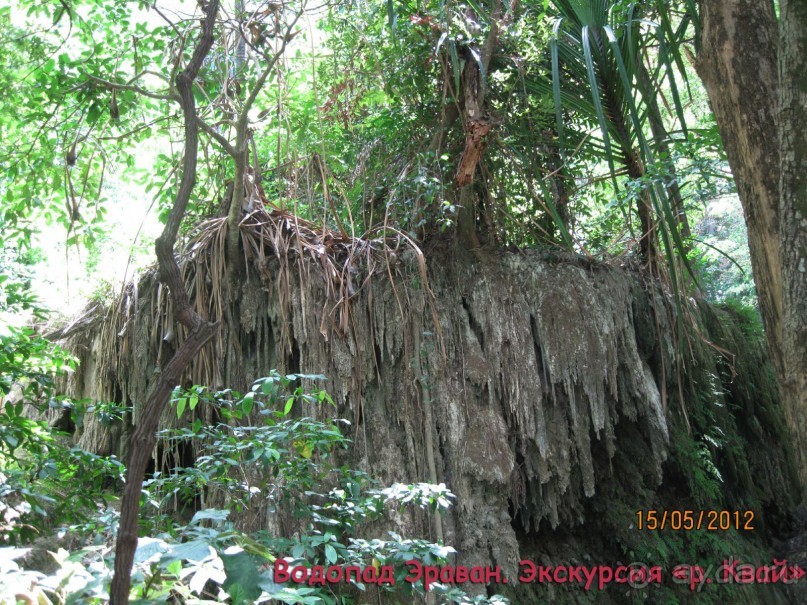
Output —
(260, 456)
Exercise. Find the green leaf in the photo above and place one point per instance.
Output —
(211, 514)
(553, 46)
(243, 570)
(456, 67)
(595, 97)
(310, 376)
(147, 548)
(174, 568)
(194, 551)
(247, 403)
(181, 403)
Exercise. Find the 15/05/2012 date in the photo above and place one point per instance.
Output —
(691, 520)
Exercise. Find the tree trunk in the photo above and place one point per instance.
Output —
(477, 128)
(738, 65)
(749, 78)
(661, 139)
(476, 131)
(644, 205)
(793, 216)
(200, 331)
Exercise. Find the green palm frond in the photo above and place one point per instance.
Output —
(611, 62)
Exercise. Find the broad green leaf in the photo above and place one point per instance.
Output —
(194, 551)
(247, 403)
(181, 403)
(243, 569)
(210, 514)
(330, 554)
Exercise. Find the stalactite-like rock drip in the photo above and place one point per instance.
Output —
(541, 377)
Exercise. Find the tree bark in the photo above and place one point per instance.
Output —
(793, 221)
(661, 139)
(737, 62)
(754, 74)
(477, 128)
(200, 331)
(644, 205)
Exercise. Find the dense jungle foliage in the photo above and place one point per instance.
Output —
(576, 128)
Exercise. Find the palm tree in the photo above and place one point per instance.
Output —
(600, 51)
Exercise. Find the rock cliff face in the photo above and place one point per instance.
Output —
(554, 398)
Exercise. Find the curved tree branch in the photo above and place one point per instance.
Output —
(220, 138)
(200, 331)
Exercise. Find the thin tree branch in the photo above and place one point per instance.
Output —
(173, 26)
(132, 87)
(137, 129)
(220, 138)
(253, 95)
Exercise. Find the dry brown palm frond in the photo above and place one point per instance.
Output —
(291, 239)
(289, 254)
